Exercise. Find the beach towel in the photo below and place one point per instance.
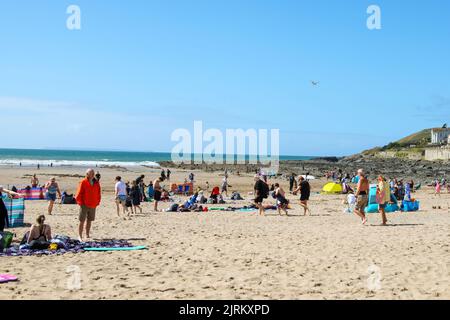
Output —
(32, 193)
(72, 246)
(16, 210)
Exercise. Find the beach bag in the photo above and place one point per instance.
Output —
(173, 207)
(5, 240)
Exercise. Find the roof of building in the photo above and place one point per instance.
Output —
(440, 129)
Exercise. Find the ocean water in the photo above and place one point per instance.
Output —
(32, 157)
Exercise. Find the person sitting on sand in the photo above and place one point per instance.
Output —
(362, 196)
(282, 202)
(305, 191)
(52, 190)
(383, 197)
(40, 234)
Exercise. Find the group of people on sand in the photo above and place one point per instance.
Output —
(88, 197)
(130, 197)
(383, 196)
(262, 191)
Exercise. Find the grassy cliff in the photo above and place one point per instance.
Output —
(414, 143)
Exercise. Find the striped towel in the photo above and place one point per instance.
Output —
(16, 210)
(33, 193)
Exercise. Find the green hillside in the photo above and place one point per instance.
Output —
(419, 140)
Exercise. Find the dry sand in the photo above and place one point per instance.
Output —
(329, 255)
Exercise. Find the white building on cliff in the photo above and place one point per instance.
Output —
(440, 135)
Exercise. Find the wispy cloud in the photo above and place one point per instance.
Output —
(64, 124)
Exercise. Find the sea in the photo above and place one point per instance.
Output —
(79, 158)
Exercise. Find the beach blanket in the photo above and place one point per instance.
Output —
(16, 210)
(32, 193)
(70, 246)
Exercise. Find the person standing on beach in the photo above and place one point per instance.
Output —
(291, 182)
(362, 196)
(163, 175)
(88, 197)
(225, 186)
(305, 191)
(34, 181)
(158, 192)
(261, 192)
(282, 202)
(3, 212)
(136, 195)
(120, 192)
(168, 174)
(52, 190)
(383, 197)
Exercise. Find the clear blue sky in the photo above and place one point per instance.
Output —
(137, 70)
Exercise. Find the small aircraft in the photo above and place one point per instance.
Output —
(314, 83)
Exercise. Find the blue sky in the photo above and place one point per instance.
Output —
(138, 70)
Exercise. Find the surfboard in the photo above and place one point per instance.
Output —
(116, 249)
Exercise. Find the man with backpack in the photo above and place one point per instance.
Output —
(261, 192)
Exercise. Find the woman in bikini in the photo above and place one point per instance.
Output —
(39, 232)
(362, 196)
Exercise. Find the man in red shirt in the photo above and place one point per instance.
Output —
(88, 197)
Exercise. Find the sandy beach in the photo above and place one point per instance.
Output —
(236, 255)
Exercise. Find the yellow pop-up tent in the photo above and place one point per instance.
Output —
(332, 187)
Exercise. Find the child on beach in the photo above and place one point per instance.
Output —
(437, 188)
(350, 202)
